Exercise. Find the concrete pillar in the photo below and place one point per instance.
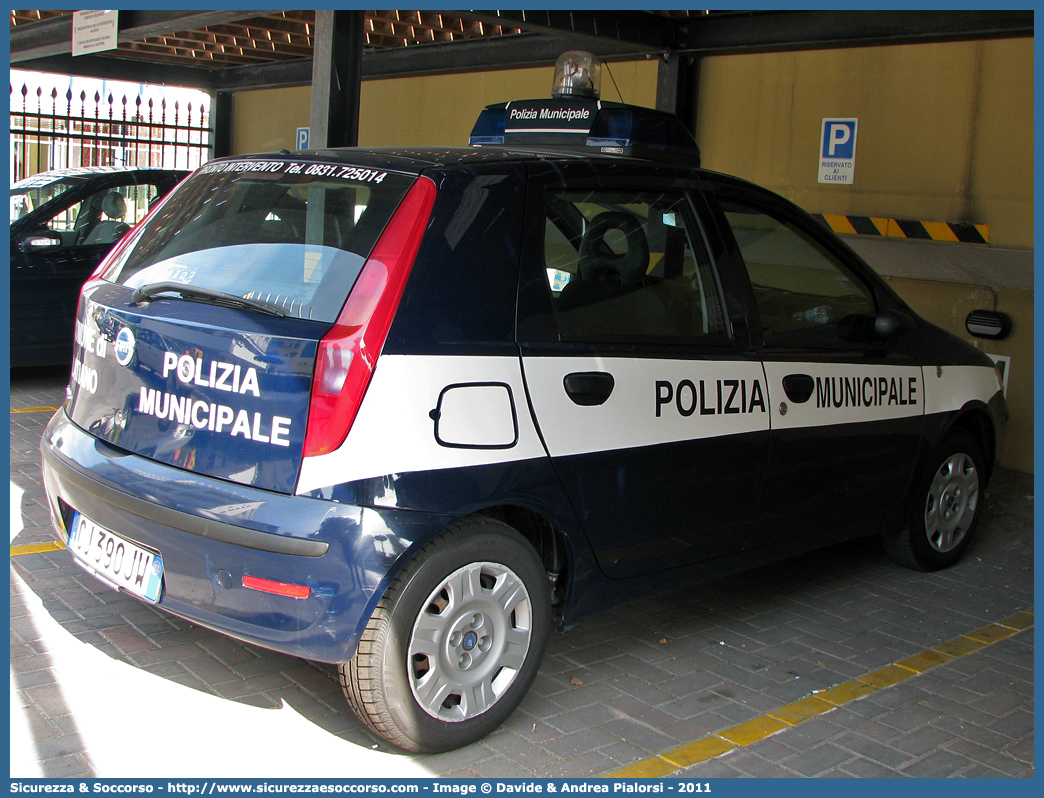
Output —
(336, 79)
(220, 124)
(677, 80)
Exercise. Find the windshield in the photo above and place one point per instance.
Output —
(290, 234)
(29, 194)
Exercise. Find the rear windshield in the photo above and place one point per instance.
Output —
(295, 234)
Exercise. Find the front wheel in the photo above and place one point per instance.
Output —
(947, 508)
(455, 642)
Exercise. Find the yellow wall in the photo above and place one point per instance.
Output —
(947, 305)
(441, 109)
(437, 109)
(945, 130)
(267, 120)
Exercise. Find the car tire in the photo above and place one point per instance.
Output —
(946, 509)
(455, 642)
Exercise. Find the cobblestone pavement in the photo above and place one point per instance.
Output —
(102, 685)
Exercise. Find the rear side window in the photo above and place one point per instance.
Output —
(292, 234)
(629, 266)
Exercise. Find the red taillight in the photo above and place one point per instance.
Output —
(348, 352)
(278, 588)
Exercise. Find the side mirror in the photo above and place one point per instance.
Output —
(34, 242)
(890, 325)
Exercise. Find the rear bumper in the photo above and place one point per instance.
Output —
(212, 533)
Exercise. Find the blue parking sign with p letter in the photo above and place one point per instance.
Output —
(839, 137)
(837, 151)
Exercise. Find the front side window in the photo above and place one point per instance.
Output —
(294, 235)
(803, 291)
(629, 266)
(105, 216)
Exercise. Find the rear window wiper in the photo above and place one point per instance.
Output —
(147, 293)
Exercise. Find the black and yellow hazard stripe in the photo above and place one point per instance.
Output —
(957, 232)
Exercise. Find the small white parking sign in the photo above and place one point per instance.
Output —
(837, 151)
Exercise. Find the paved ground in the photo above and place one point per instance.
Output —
(102, 685)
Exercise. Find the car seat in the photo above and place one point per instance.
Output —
(603, 273)
(113, 228)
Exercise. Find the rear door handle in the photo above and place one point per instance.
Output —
(798, 387)
(589, 388)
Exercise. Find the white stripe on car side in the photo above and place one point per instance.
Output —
(394, 431)
(654, 401)
(844, 393)
(949, 388)
(848, 393)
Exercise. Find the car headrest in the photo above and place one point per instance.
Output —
(599, 261)
(113, 205)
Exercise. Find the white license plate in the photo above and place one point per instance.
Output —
(115, 559)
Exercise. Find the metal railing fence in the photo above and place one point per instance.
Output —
(53, 131)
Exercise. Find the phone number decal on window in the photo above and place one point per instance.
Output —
(297, 168)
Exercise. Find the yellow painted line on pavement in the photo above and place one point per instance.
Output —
(36, 548)
(822, 701)
(924, 661)
(798, 711)
(33, 410)
(699, 751)
(847, 691)
(992, 633)
(887, 676)
(960, 646)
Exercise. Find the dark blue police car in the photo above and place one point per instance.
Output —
(404, 410)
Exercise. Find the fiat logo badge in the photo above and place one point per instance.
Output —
(124, 348)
